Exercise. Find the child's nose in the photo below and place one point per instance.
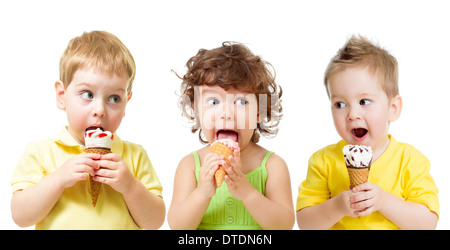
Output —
(99, 109)
(227, 112)
(353, 114)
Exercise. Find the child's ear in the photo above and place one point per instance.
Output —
(60, 95)
(129, 96)
(128, 99)
(194, 108)
(395, 108)
(259, 118)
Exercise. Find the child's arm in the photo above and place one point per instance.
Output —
(189, 202)
(273, 210)
(369, 197)
(146, 208)
(324, 215)
(31, 205)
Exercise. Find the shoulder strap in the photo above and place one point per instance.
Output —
(197, 164)
(264, 161)
(197, 159)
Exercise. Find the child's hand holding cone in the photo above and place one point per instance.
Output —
(100, 142)
(224, 147)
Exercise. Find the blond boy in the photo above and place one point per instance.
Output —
(50, 184)
(361, 82)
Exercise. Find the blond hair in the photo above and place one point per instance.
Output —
(100, 50)
(360, 51)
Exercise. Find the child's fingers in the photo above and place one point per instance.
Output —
(107, 164)
(104, 172)
(362, 204)
(212, 158)
(364, 212)
(360, 196)
(213, 162)
(110, 157)
(88, 170)
(101, 179)
(235, 162)
(229, 181)
(86, 162)
(93, 163)
(86, 165)
(230, 172)
(235, 159)
(209, 170)
(363, 187)
(83, 169)
(213, 170)
(81, 176)
(93, 156)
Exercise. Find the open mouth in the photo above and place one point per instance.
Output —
(359, 132)
(94, 128)
(227, 134)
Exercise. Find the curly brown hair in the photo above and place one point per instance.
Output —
(233, 65)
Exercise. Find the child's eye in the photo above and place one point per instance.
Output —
(340, 105)
(241, 101)
(87, 95)
(364, 102)
(212, 101)
(114, 99)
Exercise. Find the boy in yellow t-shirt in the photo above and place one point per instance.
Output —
(50, 184)
(361, 82)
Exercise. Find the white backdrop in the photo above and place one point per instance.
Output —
(297, 37)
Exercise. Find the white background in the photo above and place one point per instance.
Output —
(297, 37)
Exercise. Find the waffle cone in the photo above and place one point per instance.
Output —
(357, 176)
(225, 151)
(95, 186)
(102, 151)
(220, 176)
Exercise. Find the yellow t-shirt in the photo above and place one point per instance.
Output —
(401, 170)
(74, 208)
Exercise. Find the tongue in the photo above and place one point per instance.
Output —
(360, 132)
(227, 135)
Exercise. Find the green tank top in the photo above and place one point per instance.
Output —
(226, 212)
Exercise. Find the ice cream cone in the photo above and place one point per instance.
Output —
(358, 159)
(94, 185)
(220, 176)
(221, 149)
(357, 175)
(102, 151)
(100, 142)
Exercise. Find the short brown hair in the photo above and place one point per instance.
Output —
(100, 50)
(233, 65)
(360, 51)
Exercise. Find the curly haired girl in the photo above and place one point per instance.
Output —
(230, 93)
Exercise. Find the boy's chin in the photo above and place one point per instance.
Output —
(352, 140)
(361, 140)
